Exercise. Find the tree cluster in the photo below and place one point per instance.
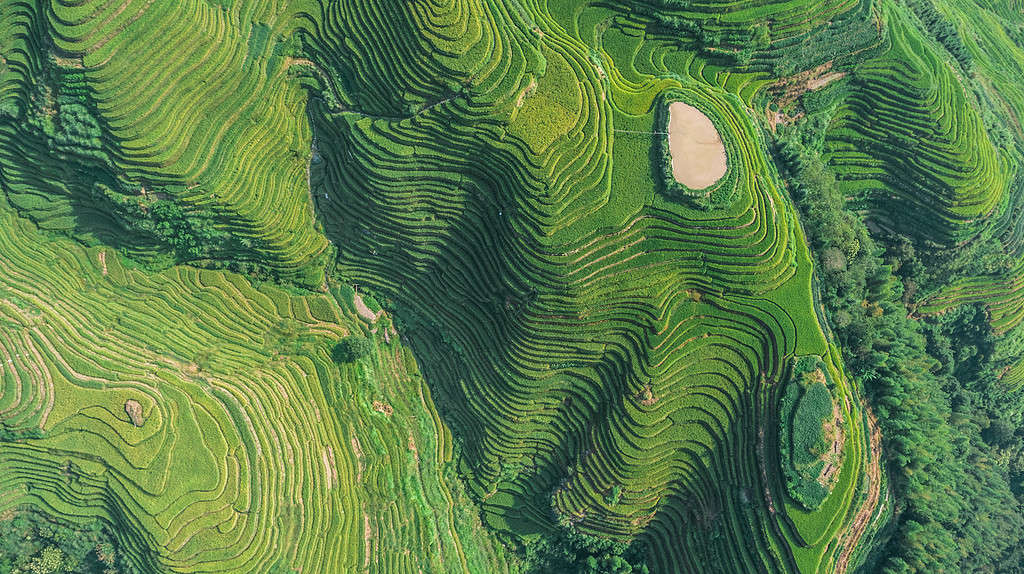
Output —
(190, 233)
(68, 121)
(943, 30)
(955, 510)
(33, 543)
(572, 552)
(351, 349)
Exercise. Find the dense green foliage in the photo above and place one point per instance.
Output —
(945, 387)
(804, 407)
(190, 235)
(33, 543)
(956, 509)
(813, 406)
(571, 552)
(68, 126)
(351, 349)
(778, 38)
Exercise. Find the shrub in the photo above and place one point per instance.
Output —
(805, 404)
(351, 349)
(614, 495)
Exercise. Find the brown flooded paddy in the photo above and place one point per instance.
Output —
(698, 154)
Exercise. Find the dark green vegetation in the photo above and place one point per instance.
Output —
(805, 407)
(575, 553)
(943, 387)
(351, 349)
(954, 498)
(32, 543)
(629, 377)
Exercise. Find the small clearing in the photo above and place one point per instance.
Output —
(364, 311)
(412, 447)
(527, 92)
(822, 81)
(103, 261)
(134, 411)
(788, 90)
(834, 436)
(367, 537)
(331, 471)
(63, 62)
(358, 450)
(698, 155)
(647, 397)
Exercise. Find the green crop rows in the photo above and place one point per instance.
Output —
(910, 148)
(195, 189)
(611, 357)
(195, 121)
(196, 414)
(248, 437)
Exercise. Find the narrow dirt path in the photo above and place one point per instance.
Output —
(863, 517)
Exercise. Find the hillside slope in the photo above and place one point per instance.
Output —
(575, 363)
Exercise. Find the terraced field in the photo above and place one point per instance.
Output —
(204, 116)
(203, 197)
(1004, 299)
(249, 448)
(910, 148)
(983, 40)
(589, 334)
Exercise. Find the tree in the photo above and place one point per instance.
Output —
(351, 349)
(49, 561)
(1000, 432)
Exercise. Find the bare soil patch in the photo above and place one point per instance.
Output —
(646, 396)
(358, 450)
(412, 447)
(698, 154)
(527, 92)
(833, 457)
(822, 81)
(69, 62)
(331, 471)
(364, 311)
(788, 90)
(134, 412)
(367, 537)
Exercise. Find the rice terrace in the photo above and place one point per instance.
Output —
(511, 286)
